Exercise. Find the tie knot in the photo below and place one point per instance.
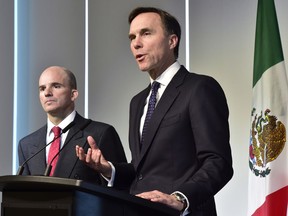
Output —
(155, 86)
(56, 130)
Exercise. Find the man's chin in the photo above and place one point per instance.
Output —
(52, 112)
(143, 68)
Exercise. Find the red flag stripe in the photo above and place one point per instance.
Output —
(275, 204)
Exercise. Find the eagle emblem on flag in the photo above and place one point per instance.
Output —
(267, 140)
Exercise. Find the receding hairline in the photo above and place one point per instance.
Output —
(71, 77)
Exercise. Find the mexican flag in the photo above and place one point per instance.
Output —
(268, 152)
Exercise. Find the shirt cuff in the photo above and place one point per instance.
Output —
(186, 210)
(110, 181)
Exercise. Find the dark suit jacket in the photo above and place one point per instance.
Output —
(68, 165)
(186, 146)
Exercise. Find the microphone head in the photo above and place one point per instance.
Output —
(20, 170)
(48, 170)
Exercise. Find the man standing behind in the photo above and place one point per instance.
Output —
(57, 93)
(181, 153)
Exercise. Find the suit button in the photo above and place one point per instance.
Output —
(76, 176)
(140, 177)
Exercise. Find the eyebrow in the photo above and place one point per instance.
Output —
(142, 31)
(52, 84)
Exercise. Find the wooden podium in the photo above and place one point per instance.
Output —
(50, 196)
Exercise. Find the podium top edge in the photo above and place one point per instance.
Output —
(47, 183)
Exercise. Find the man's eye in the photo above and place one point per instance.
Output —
(146, 33)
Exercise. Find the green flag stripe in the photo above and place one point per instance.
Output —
(268, 48)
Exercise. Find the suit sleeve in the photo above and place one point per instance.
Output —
(209, 122)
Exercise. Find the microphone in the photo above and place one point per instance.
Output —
(49, 167)
(21, 168)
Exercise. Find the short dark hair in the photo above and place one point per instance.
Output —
(170, 23)
(71, 78)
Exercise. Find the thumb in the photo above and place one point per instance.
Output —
(92, 143)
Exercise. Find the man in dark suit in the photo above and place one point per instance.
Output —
(184, 158)
(57, 93)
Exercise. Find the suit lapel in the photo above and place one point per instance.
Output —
(166, 101)
(136, 117)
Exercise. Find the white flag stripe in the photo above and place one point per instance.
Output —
(270, 92)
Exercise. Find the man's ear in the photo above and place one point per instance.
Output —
(74, 94)
(173, 41)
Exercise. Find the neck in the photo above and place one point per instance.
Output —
(156, 72)
(57, 118)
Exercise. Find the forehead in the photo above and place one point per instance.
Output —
(53, 75)
(146, 20)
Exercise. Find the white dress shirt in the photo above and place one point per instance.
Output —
(164, 79)
(62, 125)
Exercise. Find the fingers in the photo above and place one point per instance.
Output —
(97, 156)
(80, 153)
(92, 143)
(155, 196)
(77, 150)
(88, 158)
(93, 154)
(94, 158)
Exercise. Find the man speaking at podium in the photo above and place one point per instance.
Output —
(178, 125)
(58, 93)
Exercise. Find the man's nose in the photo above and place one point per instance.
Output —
(48, 92)
(137, 43)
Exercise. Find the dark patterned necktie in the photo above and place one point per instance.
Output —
(150, 110)
(54, 149)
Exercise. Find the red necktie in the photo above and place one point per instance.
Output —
(54, 148)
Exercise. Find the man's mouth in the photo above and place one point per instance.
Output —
(139, 57)
(49, 101)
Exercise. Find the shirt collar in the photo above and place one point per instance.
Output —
(168, 74)
(62, 124)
